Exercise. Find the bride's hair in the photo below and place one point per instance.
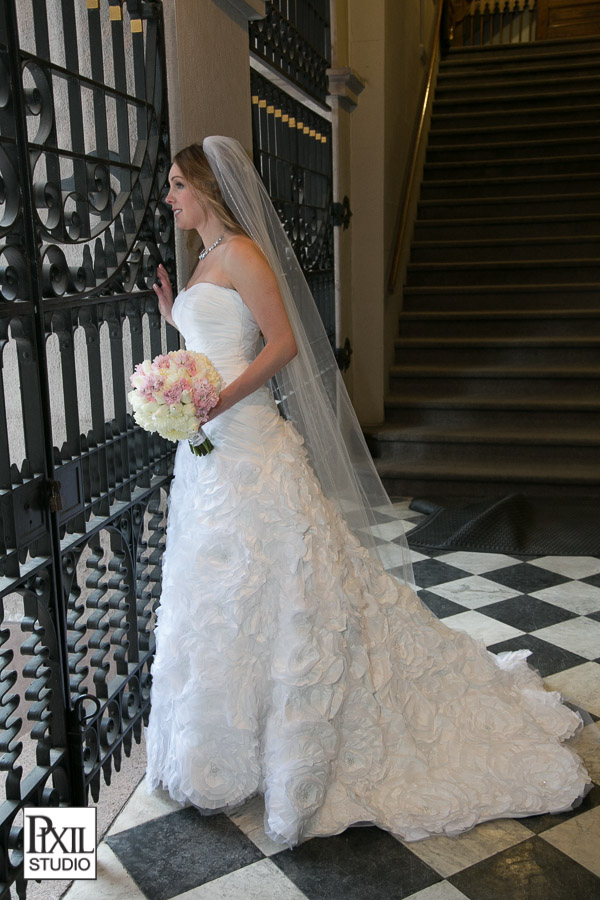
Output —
(196, 170)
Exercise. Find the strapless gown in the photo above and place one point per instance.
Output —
(290, 663)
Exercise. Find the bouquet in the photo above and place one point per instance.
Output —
(173, 396)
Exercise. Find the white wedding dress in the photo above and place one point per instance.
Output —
(290, 663)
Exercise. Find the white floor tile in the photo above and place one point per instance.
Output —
(575, 596)
(578, 838)
(569, 566)
(579, 635)
(478, 563)
(587, 745)
(142, 807)
(390, 530)
(441, 891)
(474, 591)
(250, 818)
(482, 627)
(113, 882)
(416, 556)
(581, 685)
(260, 881)
(448, 855)
(391, 555)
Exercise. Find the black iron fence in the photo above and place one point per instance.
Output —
(292, 152)
(295, 39)
(84, 156)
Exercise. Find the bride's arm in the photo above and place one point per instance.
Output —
(253, 278)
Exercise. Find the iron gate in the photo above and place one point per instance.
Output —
(84, 156)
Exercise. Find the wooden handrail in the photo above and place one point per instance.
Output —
(415, 153)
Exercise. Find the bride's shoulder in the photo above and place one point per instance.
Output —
(242, 253)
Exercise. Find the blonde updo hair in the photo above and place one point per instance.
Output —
(196, 170)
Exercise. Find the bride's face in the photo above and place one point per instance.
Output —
(187, 211)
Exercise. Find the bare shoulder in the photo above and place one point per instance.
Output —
(245, 260)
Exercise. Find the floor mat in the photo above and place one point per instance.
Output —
(512, 524)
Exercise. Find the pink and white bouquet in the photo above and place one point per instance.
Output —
(173, 396)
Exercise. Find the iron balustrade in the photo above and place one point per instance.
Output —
(483, 22)
(84, 157)
(295, 39)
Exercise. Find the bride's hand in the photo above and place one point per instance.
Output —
(164, 292)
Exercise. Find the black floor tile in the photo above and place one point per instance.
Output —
(526, 578)
(527, 613)
(181, 851)
(440, 606)
(531, 870)
(547, 658)
(538, 824)
(594, 580)
(429, 572)
(594, 615)
(361, 863)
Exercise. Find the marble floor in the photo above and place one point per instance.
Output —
(159, 851)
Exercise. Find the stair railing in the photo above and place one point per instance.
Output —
(484, 22)
(445, 7)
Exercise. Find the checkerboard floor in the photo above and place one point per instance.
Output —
(157, 850)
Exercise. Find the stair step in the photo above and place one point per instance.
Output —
(553, 49)
(508, 101)
(533, 71)
(521, 116)
(480, 89)
(478, 151)
(511, 206)
(393, 433)
(506, 249)
(531, 185)
(521, 323)
(510, 132)
(467, 412)
(535, 357)
(495, 273)
(504, 168)
(479, 382)
(502, 297)
(430, 445)
(488, 480)
(474, 227)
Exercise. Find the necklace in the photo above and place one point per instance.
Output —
(207, 250)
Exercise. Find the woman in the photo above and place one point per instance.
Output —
(288, 661)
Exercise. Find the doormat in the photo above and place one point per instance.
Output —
(512, 524)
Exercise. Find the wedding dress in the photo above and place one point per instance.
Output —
(290, 663)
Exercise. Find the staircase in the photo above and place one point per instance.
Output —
(496, 381)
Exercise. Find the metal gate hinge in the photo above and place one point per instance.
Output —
(341, 213)
(53, 495)
(343, 354)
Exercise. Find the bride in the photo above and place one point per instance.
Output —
(288, 662)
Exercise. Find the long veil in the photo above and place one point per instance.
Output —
(310, 387)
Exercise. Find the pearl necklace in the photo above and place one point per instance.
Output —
(207, 250)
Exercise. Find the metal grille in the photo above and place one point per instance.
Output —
(84, 157)
(294, 38)
(292, 152)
